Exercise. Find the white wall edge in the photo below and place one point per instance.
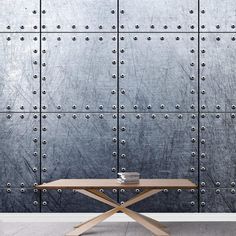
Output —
(119, 217)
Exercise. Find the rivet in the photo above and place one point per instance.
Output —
(149, 38)
(179, 190)
(192, 203)
(35, 169)
(203, 78)
(35, 140)
(8, 190)
(112, 11)
(233, 26)
(123, 155)
(177, 38)
(44, 26)
(114, 154)
(22, 116)
(217, 26)
(74, 38)
(203, 204)
(123, 141)
(8, 27)
(177, 106)
(22, 190)
(217, 184)
(73, 26)
(87, 116)
(203, 184)
(43, 11)
(45, 203)
(101, 107)
(191, 11)
(138, 116)
(101, 116)
(100, 38)
(232, 191)
(203, 141)
(113, 169)
(192, 106)
(22, 38)
(114, 140)
(203, 168)
(165, 27)
(233, 38)
(87, 38)
(192, 50)
(203, 92)
(162, 38)
(152, 26)
(135, 107)
(122, 26)
(8, 184)
(217, 191)
(218, 38)
(192, 38)
(122, 107)
(74, 116)
(123, 116)
(122, 190)
(165, 191)
(193, 140)
(137, 26)
(193, 154)
(233, 106)
(100, 27)
(135, 38)
(179, 27)
(59, 190)
(8, 38)
(203, 26)
(203, 107)
(233, 184)
(114, 190)
(44, 155)
(162, 106)
(22, 27)
(122, 128)
(180, 116)
(217, 115)
(203, 191)
(166, 116)
(192, 169)
(122, 11)
(193, 116)
(123, 169)
(44, 142)
(149, 107)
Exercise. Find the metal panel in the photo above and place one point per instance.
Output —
(70, 201)
(218, 15)
(218, 150)
(162, 15)
(19, 200)
(218, 63)
(159, 145)
(79, 15)
(19, 84)
(165, 201)
(78, 146)
(20, 15)
(79, 72)
(158, 72)
(19, 150)
(218, 200)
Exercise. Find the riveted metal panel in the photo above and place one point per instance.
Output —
(19, 149)
(19, 84)
(218, 15)
(79, 72)
(165, 201)
(71, 201)
(218, 200)
(162, 15)
(79, 15)
(78, 146)
(218, 151)
(218, 72)
(20, 15)
(159, 145)
(19, 200)
(158, 72)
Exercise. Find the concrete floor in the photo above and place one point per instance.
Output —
(118, 229)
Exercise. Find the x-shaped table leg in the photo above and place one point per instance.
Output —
(154, 226)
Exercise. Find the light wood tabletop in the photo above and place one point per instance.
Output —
(112, 183)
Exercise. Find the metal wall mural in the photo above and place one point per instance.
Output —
(91, 88)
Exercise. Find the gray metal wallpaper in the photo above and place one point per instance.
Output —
(89, 88)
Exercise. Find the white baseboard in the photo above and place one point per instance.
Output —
(119, 217)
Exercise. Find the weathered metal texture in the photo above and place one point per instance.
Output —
(166, 201)
(20, 15)
(162, 15)
(79, 72)
(19, 84)
(218, 150)
(19, 200)
(218, 15)
(78, 146)
(159, 145)
(70, 201)
(217, 72)
(218, 200)
(19, 152)
(79, 15)
(159, 72)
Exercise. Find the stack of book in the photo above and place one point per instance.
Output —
(128, 177)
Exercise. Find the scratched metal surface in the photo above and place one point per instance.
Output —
(158, 73)
(69, 201)
(218, 72)
(78, 147)
(162, 15)
(218, 15)
(79, 74)
(218, 150)
(15, 14)
(19, 200)
(159, 147)
(218, 200)
(79, 15)
(17, 83)
(171, 201)
(19, 152)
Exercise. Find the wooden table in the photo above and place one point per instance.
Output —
(90, 188)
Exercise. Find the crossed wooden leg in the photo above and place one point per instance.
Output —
(154, 226)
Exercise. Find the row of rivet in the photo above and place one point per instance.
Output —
(100, 27)
(217, 183)
(100, 38)
(162, 38)
(218, 38)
